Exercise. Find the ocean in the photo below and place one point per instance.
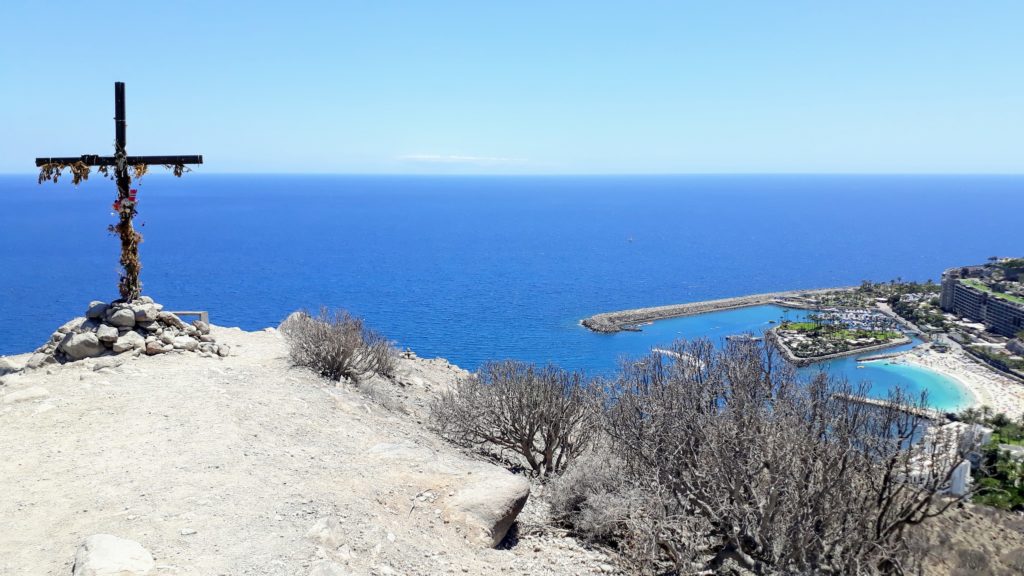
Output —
(473, 268)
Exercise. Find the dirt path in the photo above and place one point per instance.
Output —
(222, 466)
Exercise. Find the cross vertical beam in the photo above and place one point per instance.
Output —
(129, 284)
(120, 126)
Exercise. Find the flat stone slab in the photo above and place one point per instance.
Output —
(106, 555)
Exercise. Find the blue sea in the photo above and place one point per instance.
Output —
(477, 268)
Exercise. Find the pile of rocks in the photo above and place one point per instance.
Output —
(139, 326)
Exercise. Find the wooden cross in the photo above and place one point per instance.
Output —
(50, 168)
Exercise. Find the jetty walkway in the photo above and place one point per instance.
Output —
(610, 322)
(933, 415)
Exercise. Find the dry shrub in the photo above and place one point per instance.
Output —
(543, 415)
(592, 497)
(337, 345)
(728, 463)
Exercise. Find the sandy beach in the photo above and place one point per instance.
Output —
(989, 388)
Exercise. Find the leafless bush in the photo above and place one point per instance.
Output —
(733, 464)
(544, 415)
(593, 497)
(337, 345)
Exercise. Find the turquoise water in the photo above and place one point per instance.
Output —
(944, 393)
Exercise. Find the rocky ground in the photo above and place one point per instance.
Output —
(244, 465)
(972, 540)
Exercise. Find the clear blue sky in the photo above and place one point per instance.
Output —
(522, 87)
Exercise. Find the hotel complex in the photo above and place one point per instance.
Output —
(990, 294)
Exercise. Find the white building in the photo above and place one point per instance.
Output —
(944, 446)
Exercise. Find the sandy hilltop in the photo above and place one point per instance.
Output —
(246, 465)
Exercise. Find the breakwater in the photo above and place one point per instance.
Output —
(611, 322)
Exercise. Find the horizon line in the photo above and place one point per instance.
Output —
(571, 174)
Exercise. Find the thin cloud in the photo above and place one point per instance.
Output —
(461, 159)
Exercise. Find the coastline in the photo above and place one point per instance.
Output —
(986, 386)
(628, 320)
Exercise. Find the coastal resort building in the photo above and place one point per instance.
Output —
(992, 294)
(955, 445)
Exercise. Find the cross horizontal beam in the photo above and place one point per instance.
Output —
(94, 160)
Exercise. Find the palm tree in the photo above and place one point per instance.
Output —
(970, 415)
(986, 412)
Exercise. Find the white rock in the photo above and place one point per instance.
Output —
(154, 347)
(223, 350)
(79, 346)
(96, 310)
(130, 341)
(148, 326)
(185, 343)
(106, 555)
(72, 325)
(171, 320)
(327, 532)
(488, 507)
(187, 532)
(167, 338)
(39, 360)
(107, 334)
(293, 318)
(122, 317)
(203, 327)
(32, 393)
(146, 313)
